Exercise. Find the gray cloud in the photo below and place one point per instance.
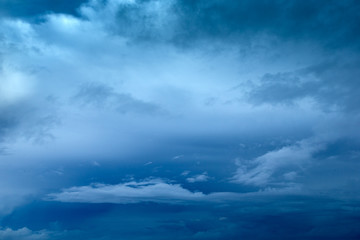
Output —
(100, 95)
(23, 234)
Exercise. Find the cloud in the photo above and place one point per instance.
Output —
(101, 95)
(26, 121)
(14, 85)
(135, 20)
(330, 24)
(331, 85)
(22, 234)
(185, 22)
(198, 178)
(155, 190)
(25, 112)
(277, 167)
(97, 80)
(296, 21)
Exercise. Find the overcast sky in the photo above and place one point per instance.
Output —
(179, 119)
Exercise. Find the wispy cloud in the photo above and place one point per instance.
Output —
(277, 166)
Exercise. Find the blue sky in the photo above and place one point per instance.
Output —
(153, 119)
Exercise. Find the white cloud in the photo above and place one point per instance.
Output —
(155, 190)
(263, 170)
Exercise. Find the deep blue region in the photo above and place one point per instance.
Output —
(340, 147)
(269, 217)
(30, 9)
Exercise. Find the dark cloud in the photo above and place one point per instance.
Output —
(332, 85)
(330, 23)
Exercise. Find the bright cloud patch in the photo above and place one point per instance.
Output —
(278, 166)
(14, 85)
(131, 192)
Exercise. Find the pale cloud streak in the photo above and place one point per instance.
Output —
(156, 190)
(261, 171)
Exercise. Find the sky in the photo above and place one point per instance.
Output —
(179, 119)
